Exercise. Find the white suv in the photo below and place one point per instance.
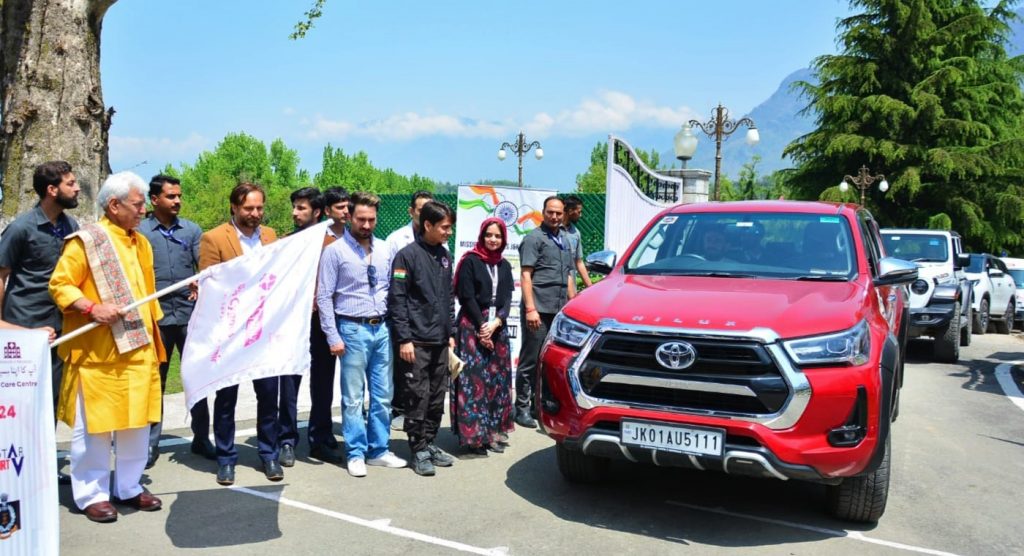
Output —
(1015, 267)
(994, 294)
(940, 299)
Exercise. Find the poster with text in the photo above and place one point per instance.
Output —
(28, 452)
(521, 210)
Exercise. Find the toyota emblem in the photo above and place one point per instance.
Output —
(675, 355)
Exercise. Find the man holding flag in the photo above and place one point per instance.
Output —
(241, 236)
(111, 386)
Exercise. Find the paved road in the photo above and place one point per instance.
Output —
(958, 457)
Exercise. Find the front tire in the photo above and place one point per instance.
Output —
(981, 318)
(578, 467)
(1004, 326)
(862, 498)
(946, 348)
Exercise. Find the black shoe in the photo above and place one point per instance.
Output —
(523, 419)
(422, 465)
(324, 453)
(203, 447)
(476, 451)
(439, 458)
(496, 448)
(287, 455)
(154, 454)
(63, 478)
(273, 470)
(226, 475)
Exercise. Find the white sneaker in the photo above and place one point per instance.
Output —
(387, 460)
(357, 467)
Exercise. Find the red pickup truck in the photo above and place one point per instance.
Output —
(760, 338)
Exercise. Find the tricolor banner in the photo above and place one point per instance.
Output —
(28, 453)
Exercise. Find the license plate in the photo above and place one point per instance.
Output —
(673, 438)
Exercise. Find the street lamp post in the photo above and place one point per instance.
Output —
(521, 147)
(718, 127)
(863, 182)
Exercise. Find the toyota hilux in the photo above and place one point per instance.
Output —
(761, 339)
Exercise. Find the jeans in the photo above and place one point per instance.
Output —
(367, 360)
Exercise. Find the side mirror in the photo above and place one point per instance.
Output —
(601, 262)
(892, 271)
(962, 260)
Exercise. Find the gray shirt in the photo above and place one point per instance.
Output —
(175, 258)
(575, 239)
(551, 256)
(30, 247)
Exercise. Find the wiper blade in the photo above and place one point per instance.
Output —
(713, 274)
(822, 278)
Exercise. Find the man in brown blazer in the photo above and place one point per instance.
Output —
(242, 235)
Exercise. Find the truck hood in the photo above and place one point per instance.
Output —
(790, 308)
(927, 270)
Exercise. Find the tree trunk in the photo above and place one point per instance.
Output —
(50, 98)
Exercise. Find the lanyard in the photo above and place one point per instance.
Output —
(557, 239)
(169, 236)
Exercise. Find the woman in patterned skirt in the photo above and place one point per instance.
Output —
(481, 396)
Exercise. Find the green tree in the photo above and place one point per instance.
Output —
(923, 91)
(593, 180)
(356, 172)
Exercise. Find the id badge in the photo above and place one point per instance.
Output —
(491, 313)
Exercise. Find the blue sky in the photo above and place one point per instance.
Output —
(435, 87)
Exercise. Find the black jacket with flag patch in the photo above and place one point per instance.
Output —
(421, 304)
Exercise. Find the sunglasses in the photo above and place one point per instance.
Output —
(371, 276)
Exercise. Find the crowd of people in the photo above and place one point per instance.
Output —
(383, 308)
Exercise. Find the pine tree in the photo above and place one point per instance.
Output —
(924, 92)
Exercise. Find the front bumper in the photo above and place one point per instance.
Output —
(755, 447)
(742, 458)
(935, 315)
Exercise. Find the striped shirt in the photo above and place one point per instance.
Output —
(344, 284)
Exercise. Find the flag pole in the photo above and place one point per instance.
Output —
(172, 288)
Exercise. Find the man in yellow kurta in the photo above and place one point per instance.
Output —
(111, 385)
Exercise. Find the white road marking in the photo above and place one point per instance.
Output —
(853, 535)
(1008, 385)
(382, 525)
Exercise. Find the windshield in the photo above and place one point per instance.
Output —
(977, 265)
(747, 245)
(916, 247)
(1018, 276)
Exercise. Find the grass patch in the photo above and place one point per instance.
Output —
(174, 375)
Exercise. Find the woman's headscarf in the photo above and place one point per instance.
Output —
(481, 251)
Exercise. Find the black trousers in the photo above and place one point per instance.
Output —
(266, 420)
(56, 375)
(422, 401)
(529, 356)
(173, 336)
(397, 384)
(321, 387)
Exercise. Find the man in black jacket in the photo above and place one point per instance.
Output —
(421, 311)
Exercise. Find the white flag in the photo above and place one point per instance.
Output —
(252, 316)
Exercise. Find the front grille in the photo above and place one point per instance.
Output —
(618, 358)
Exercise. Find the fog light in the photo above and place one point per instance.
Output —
(855, 427)
(919, 287)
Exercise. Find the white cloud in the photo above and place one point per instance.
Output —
(127, 148)
(610, 111)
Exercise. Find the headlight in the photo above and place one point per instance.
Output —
(920, 287)
(852, 347)
(566, 331)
